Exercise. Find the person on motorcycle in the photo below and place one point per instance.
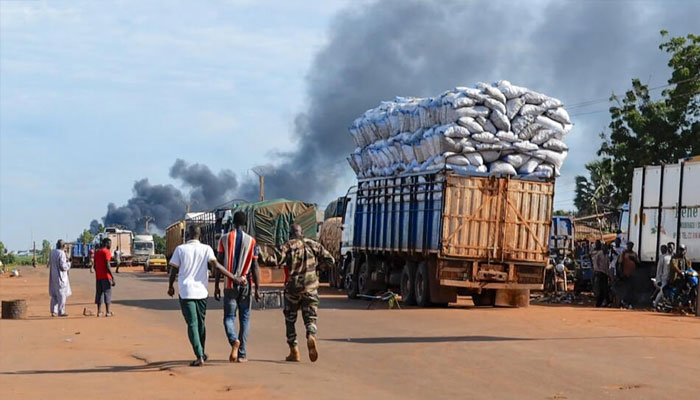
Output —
(679, 263)
(663, 270)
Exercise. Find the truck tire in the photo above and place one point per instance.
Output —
(408, 288)
(363, 279)
(422, 285)
(485, 298)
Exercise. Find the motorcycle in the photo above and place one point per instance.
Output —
(680, 295)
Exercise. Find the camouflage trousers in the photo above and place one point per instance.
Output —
(308, 302)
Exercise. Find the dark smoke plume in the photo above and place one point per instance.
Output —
(166, 203)
(576, 51)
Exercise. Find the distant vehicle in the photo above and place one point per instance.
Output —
(144, 247)
(665, 207)
(80, 254)
(155, 261)
(122, 239)
(438, 234)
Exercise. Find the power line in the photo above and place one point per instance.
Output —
(607, 99)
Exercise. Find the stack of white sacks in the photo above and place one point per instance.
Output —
(497, 129)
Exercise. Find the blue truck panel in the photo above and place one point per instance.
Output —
(399, 213)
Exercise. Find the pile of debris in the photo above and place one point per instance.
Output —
(499, 128)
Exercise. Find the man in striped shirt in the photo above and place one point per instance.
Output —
(238, 252)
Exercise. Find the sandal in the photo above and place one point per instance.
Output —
(197, 363)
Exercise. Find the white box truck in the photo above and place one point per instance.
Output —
(665, 207)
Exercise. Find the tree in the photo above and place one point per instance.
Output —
(86, 237)
(159, 243)
(45, 251)
(596, 193)
(644, 131)
(561, 213)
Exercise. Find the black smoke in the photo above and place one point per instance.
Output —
(165, 204)
(575, 51)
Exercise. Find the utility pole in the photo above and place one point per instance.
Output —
(261, 178)
(34, 255)
(149, 219)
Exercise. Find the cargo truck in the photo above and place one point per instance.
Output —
(437, 235)
(121, 239)
(665, 207)
(143, 248)
(80, 254)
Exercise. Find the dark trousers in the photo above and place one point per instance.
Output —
(600, 288)
(194, 311)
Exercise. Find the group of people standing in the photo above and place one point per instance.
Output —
(614, 267)
(59, 279)
(237, 264)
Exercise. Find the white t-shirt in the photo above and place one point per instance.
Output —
(192, 260)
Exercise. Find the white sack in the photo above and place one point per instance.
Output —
(485, 137)
(500, 121)
(516, 160)
(513, 106)
(495, 105)
(542, 136)
(490, 155)
(529, 166)
(530, 109)
(534, 98)
(507, 136)
(556, 145)
(500, 167)
(471, 124)
(492, 92)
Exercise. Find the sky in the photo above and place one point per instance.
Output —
(97, 96)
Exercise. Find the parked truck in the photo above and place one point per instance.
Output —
(80, 254)
(143, 248)
(121, 240)
(437, 235)
(665, 207)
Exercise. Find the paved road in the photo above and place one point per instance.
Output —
(540, 352)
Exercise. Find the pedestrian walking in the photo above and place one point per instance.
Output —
(190, 262)
(300, 257)
(117, 259)
(663, 269)
(627, 262)
(600, 274)
(59, 282)
(104, 279)
(238, 252)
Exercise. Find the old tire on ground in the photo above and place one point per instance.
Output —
(14, 309)
(408, 287)
(363, 279)
(485, 298)
(422, 285)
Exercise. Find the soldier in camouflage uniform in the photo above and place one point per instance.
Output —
(300, 258)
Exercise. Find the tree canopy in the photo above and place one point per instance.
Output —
(646, 131)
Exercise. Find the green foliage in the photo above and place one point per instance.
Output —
(159, 242)
(644, 131)
(86, 237)
(45, 251)
(597, 192)
(562, 213)
(5, 256)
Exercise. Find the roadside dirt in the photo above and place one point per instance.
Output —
(540, 352)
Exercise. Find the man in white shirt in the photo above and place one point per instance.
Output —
(663, 269)
(59, 284)
(191, 262)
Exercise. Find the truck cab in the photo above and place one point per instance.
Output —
(144, 247)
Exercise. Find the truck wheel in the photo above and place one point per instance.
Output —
(408, 289)
(363, 278)
(422, 285)
(485, 298)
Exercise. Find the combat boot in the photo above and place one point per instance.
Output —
(293, 353)
(311, 344)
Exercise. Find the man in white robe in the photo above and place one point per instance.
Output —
(59, 285)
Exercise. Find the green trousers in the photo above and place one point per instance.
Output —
(194, 311)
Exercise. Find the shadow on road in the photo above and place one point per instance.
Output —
(427, 339)
(154, 366)
(457, 339)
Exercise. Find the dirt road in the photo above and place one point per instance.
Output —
(463, 352)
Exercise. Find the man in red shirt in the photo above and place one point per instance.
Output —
(103, 275)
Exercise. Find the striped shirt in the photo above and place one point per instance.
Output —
(239, 250)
